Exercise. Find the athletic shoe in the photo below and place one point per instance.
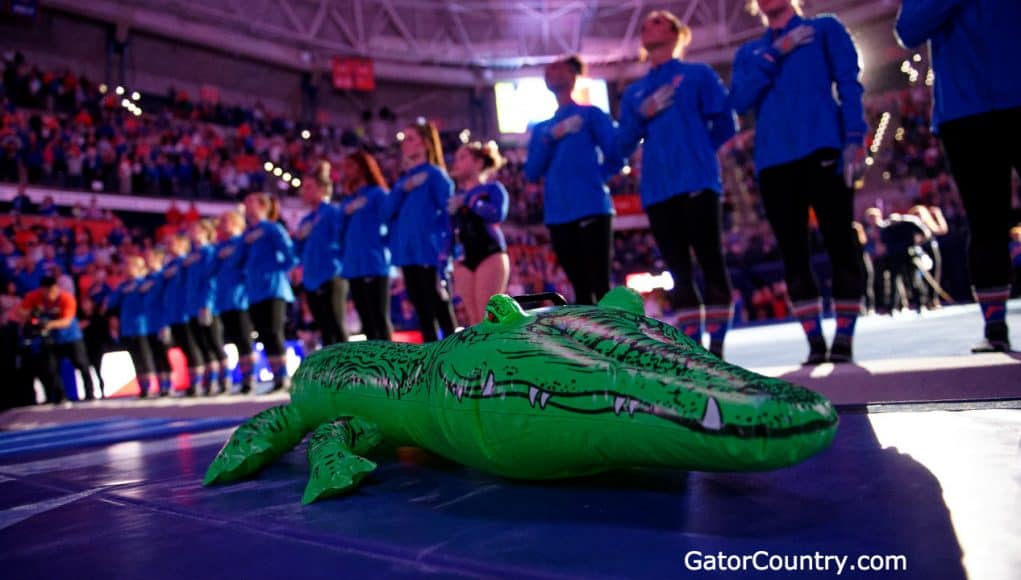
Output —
(840, 352)
(816, 352)
(996, 340)
(281, 384)
(247, 385)
(716, 348)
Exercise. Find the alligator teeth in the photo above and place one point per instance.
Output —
(543, 399)
(631, 406)
(618, 404)
(459, 391)
(487, 387)
(711, 419)
(543, 396)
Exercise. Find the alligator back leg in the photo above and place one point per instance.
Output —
(256, 443)
(335, 456)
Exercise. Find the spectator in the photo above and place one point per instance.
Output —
(174, 215)
(48, 207)
(22, 203)
(192, 215)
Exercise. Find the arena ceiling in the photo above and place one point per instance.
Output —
(460, 42)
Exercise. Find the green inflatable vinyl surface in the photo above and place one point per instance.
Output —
(551, 393)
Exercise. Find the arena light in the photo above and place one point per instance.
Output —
(626, 170)
(286, 176)
(917, 58)
(646, 282)
(103, 88)
(267, 166)
(126, 103)
(295, 183)
(306, 134)
(522, 102)
(877, 142)
(119, 90)
(870, 161)
(136, 96)
(930, 78)
(138, 112)
(886, 175)
(464, 136)
(277, 171)
(400, 136)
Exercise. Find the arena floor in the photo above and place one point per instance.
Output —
(924, 465)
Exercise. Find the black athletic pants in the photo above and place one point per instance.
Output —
(141, 355)
(787, 192)
(76, 353)
(237, 330)
(159, 354)
(327, 304)
(584, 249)
(371, 295)
(187, 343)
(268, 317)
(981, 166)
(209, 339)
(430, 296)
(95, 348)
(48, 368)
(683, 223)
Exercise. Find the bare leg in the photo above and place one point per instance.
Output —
(464, 283)
(491, 278)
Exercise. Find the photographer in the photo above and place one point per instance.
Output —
(903, 235)
(51, 324)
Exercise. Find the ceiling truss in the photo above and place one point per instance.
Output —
(451, 41)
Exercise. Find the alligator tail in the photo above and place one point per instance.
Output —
(257, 443)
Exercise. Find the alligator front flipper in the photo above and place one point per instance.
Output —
(334, 453)
(256, 443)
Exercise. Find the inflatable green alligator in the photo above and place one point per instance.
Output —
(556, 392)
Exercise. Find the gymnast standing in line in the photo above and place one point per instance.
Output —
(477, 209)
(366, 256)
(269, 258)
(802, 79)
(680, 111)
(206, 328)
(318, 245)
(175, 310)
(420, 243)
(158, 332)
(575, 153)
(128, 304)
(976, 113)
(232, 294)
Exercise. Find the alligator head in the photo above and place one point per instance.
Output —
(633, 389)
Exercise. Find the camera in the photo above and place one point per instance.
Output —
(35, 329)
